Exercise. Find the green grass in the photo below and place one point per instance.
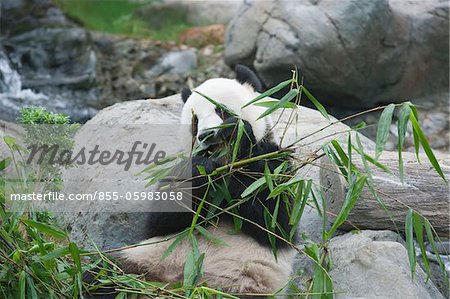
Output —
(127, 18)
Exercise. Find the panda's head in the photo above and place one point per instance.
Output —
(204, 117)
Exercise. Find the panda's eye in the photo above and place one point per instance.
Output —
(222, 114)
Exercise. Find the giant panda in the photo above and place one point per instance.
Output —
(246, 263)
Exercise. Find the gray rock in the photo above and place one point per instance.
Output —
(374, 264)
(92, 222)
(174, 63)
(110, 225)
(350, 53)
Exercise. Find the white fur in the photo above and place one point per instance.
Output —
(241, 266)
(233, 95)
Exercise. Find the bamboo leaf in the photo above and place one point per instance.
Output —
(270, 92)
(189, 269)
(279, 104)
(56, 253)
(160, 162)
(415, 134)
(193, 264)
(272, 241)
(302, 193)
(280, 168)
(409, 229)
(317, 205)
(22, 284)
(268, 177)
(316, 103)
(429, 230)
(253, 187)
(288, 105)
(31, 288)
(282, 187)
(370, 159)
(204, 232)
(384, 124)
(45, 228)
(334, 158)
(426, 147)
(237, 142)
(10, 141)
(223, 107)
(75, 253)
(346, 160)
(275, 213)
(402, 122)
(354, 191)
(298, 206)
(237, 222)
(5, 163)
(174, 244)
(418, 229)
(369, 182)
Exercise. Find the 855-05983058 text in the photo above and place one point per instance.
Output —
(100, 195)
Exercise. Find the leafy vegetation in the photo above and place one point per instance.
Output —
(38, 259)
(32, 248)
(127, 17)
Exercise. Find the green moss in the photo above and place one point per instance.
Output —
(127, 18)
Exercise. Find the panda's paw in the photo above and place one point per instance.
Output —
(200, 163)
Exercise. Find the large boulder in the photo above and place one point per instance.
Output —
(350, 53)
(90, 221)
(374, 264)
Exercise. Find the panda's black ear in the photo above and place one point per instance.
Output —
(246, 75)
(185, 94)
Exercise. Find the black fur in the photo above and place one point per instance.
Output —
(246, 75)
(185, 94)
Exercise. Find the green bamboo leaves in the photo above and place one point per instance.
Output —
(354, 191)
(270, 92)
(408, 113)
(417, 130)
(281, 103)
(285, 101)
(384, 124)
(45, 228)
(416, 224)
(316, 103)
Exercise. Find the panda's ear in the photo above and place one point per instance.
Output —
(185, 94)
(246, 75)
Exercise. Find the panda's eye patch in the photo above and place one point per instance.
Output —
(222, 113)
